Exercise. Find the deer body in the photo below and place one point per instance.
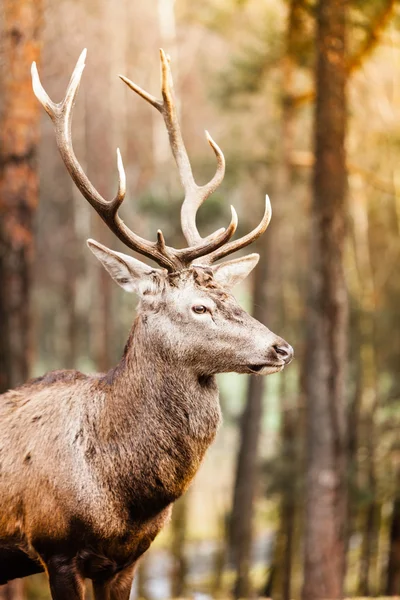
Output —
(137, 431)
(91, 464)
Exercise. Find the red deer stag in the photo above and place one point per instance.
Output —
(91, 464)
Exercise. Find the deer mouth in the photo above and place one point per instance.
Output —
(270, 367)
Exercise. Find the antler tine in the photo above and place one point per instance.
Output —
(142, 93)
(214, 241)
(61, 115)
(194, 198)
(174, 131)
(242, 242)
(195, 195)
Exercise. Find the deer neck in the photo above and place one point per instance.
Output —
(147, 371)
(161, 414)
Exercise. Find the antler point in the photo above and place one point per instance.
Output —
(82, 58)
(160, 240)
(165, 58)
(35, 77)
(234, 215)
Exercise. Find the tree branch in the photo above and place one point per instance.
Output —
(356, 61)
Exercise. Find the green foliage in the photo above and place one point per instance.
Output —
(249, 66)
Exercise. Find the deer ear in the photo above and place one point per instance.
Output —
(129, 273)
(232, 272)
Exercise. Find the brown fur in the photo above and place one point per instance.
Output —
(91, 464)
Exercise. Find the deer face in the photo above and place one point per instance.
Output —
(189, 308)
(192, 317)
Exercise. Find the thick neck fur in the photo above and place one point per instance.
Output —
(156, 422)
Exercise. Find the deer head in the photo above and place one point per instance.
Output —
(187, 305)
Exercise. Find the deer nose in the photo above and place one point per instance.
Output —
(284, 351)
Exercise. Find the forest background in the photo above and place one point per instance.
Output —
(300, 494)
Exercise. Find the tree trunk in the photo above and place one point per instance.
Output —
(179, 530)
(71, 268)
(247, 462)
(282, 568)
(13, 590)
(142, 579)
(101, 166)
(19, 120)
(19, 117)
(369, 547)
(220, 557)
(326, 500)
(281, 583)
(366, 402)
(393, 569)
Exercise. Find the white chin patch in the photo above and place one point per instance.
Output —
(269, 370)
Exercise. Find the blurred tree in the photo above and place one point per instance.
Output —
(393, 568)
(376, 17)
(179, 525)
(15, 590)
(326, 505)
(253, 63)
(141, 578)
(248, 75)
(18, 185)
(216, 588)
(392, 422)
(281, 252)
(19, 117)
(99, 118)
(364, 406)
(247, 466)
(371, 17)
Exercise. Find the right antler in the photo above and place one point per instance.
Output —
(171, 258)
(195, 195)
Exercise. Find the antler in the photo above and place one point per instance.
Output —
(242, 242)
(210, 248)
(61, 115)
(195, 195)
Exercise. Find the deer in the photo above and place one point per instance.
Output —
(90, 465)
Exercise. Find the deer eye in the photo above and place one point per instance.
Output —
(199, 309)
